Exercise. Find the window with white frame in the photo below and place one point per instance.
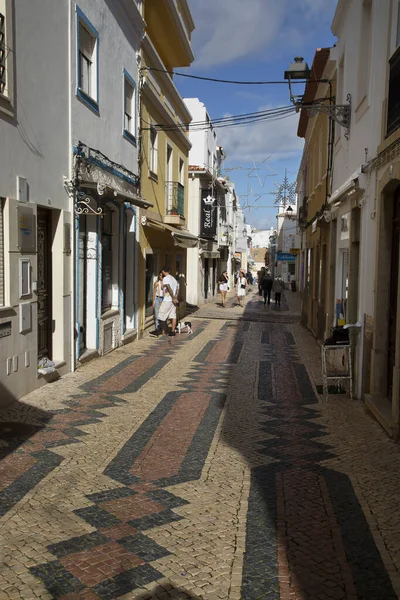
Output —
(87, 40)
(153, 154)
(129, 106)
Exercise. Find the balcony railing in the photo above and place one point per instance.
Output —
(393, 117)
(175, 195)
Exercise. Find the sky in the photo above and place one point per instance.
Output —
(254, 40)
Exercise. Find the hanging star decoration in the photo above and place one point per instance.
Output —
(259, 168)
(285, 192)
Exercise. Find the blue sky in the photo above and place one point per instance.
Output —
(254, 40)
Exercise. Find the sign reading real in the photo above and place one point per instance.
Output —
(208, 216)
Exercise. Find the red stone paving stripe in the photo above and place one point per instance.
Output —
(310, 560)
(132, 507)
(12, 467)
(285, 383)
(119, 531)
(100, 563)
(123, 378)
(165, 451)
(338, 542)
(220, 352)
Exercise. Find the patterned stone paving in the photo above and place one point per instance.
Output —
(205, 466)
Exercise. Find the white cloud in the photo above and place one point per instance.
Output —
(260, 140)
(228, 30)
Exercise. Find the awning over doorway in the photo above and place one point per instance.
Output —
(356, 182)
(183, 239)
(210, 254)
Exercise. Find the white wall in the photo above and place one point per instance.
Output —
(35, 142)
(35, 146)
(118, 44)
(204, 141)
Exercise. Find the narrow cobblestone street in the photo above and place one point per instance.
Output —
(203, 466)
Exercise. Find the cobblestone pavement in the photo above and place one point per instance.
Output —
(203, 466)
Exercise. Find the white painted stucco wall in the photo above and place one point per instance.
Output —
(367, 130)
(35, 146)
(119, 45)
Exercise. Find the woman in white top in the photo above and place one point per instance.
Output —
(223, 286)
(241, 288)
(158, 293)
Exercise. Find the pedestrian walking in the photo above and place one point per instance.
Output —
(168, 306)
(241, 288)
(223, 286)
(158, 293)
(278, 287)
(266, 284)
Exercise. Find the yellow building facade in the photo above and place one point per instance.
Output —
(164, 149)
(313, 189)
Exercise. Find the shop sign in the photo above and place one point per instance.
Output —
(286, 256)
(295, 251)
(208, 216)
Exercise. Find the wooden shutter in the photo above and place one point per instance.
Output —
(1, 254)
(87, 42)
(129, 91)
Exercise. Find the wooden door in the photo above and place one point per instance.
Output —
(44, 288)
(394, 275)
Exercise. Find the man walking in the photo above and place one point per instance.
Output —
(168, 305)
(278, 287)
(266, 285)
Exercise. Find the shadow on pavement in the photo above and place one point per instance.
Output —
(306, 534)
(18, 422)
(168, 591)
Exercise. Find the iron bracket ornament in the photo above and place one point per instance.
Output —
(83, 205)
(340, 113)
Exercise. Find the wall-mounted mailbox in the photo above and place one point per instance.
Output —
(5, 329)
(25, 317)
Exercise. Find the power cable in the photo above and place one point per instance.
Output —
(216, 80)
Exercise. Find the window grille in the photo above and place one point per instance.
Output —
(2, 53)
(129, 107)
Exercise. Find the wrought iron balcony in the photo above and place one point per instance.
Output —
(393, 116)
(174, 203)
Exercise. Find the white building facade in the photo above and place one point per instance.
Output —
(68, 185)
(210, 209)
(36, 222)
(365, 196)
(105, 59)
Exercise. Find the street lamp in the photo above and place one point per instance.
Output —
(340, 113)
(289, 212)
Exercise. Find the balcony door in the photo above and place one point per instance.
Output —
(394, 276)
(169, 180)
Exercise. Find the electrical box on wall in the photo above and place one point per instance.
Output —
(25, 317)
(22, 189)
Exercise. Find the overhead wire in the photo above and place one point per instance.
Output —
(217, 80)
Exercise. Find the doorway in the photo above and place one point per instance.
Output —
(82, 283)
(44, 284)
(150, 276)
(206, 278)
(394, 275)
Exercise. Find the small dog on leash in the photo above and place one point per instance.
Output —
(182, 325)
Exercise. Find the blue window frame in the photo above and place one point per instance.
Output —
(87, 61)
(129, 107)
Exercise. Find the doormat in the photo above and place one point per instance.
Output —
(332, 389)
